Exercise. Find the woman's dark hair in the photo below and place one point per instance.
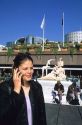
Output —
(74, 84)
(20, 57)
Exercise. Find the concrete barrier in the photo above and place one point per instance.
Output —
(48, 86)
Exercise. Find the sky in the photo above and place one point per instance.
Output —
(20, 18)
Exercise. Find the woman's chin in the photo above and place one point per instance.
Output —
(28, 79)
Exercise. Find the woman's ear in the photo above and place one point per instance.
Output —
(13, 67)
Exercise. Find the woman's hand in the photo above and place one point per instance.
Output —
(17, 80)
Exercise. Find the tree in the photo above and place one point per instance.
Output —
(38, 51)
(72, 51)
(24, 48)
(9, 52)
(54, 51)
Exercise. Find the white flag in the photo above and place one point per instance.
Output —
(43, 22)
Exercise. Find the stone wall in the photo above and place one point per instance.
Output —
(42, 59)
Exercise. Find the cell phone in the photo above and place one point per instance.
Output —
(21, 77)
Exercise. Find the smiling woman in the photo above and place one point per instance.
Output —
(21, 98)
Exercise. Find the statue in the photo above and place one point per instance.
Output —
(60, 62)
(59, 49)
(46, 67)
(58, 72)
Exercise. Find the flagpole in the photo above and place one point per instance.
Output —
(63, 29)
(43, 41)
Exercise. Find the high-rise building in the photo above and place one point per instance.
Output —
(74, 37)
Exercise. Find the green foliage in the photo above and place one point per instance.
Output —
(66, 44)
(77, 46)
(80, 46)
(73, 50)
(38, 50)
(23, 48)
(55, 50)
(9, 52)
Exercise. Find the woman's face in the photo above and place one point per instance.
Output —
(26, 68)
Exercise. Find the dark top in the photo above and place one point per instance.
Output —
(13, 106)
(72, 90)
(59, 87)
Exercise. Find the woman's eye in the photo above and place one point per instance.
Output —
(31, 67)
(28, 68)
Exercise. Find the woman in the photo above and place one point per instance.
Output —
(21, 98)
(59, 90)
(72, 94)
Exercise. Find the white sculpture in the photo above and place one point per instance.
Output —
(58, 72)
(59, 49)
(46, 67)
(60, 63)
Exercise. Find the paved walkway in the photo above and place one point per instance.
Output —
(63, 114)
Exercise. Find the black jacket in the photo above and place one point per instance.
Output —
(13, 106)
(59, 86)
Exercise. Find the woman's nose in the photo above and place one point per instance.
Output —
(29, 70)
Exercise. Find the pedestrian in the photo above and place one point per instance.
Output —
(72, 94)
(58, 91)
(21, 98)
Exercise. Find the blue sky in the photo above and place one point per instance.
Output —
(20, 18)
